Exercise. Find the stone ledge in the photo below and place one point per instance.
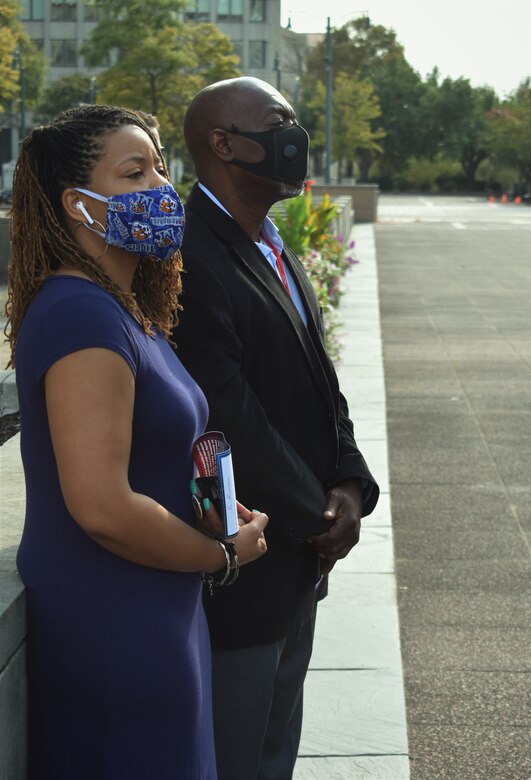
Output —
(8, 392)
(13, 718)
(13, 698)
(12, 509)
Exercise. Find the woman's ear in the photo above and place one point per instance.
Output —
(74, 207)
(220, 144)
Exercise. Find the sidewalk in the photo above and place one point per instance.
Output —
(354, 718)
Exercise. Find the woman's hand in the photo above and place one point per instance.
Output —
(208, 520)
(250, 542)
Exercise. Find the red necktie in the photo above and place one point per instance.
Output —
(280, 265)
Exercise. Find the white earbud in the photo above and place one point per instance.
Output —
(80, 207)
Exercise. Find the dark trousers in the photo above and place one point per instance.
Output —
(257, 695)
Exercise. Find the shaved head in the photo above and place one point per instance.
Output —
(240, 101)
(247, 147)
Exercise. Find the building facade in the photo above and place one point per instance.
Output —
(266, 50)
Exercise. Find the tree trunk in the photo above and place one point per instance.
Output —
(470, 160)
(364, 161)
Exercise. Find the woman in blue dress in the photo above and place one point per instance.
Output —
(118, 649)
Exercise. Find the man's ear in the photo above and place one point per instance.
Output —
(221, 145)
(74, 207)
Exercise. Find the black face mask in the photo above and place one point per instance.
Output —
(286, 153)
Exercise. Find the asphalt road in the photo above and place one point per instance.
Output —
(455, 298)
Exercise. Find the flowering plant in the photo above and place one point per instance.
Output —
(305, 227)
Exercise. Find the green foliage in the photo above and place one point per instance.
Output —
(168, 64)
(354, 107)
(62, 94)
(126, 22)
(455, 121)
(426, 175)
(510, 131)
(292, 223)
(370, 54)
(303, 225)
(9, 35)
(305, 228)
(17, 51)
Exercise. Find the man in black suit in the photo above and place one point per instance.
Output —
(251, 334)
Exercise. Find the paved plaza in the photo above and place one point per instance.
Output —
(422, 665)
(446, 317)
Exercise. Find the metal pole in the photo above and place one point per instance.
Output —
(296, 96)
(277, 69)
(329, 86)
(92, 90)
(22, 102)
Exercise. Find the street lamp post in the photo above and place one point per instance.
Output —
(277, 69)
(22, 71)
(17, 65)
(329, 87)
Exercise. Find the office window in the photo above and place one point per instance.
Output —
(32, 10)
(229, 10)
(198, 10)
(257, 11)
(92, 14)
(63, 53)
(257, 54)
(63, 12)
(237, 48)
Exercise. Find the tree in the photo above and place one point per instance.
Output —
(62, 94)
(355, 106)
(399, 90)
(372, 53)
(455, 117)
(19, 59)
(9, 37)
(510, 132)
(169, 62)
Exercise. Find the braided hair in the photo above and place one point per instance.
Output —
(52, 158)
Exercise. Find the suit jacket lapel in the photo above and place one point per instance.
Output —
(247, 253)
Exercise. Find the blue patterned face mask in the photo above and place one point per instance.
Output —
(147, 222)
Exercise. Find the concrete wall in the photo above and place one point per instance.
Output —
(8, 395)
(364, 198)
(13, 694)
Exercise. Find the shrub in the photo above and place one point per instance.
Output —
(305, 228)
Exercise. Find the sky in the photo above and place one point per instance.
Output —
(485, 41)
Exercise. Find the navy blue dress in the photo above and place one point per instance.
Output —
(118, 653)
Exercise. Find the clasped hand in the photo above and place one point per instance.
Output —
(344, 506)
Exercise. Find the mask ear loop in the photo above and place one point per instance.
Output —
(80, 207)
(88, 227)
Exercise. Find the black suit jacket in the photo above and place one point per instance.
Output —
(273, 391)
